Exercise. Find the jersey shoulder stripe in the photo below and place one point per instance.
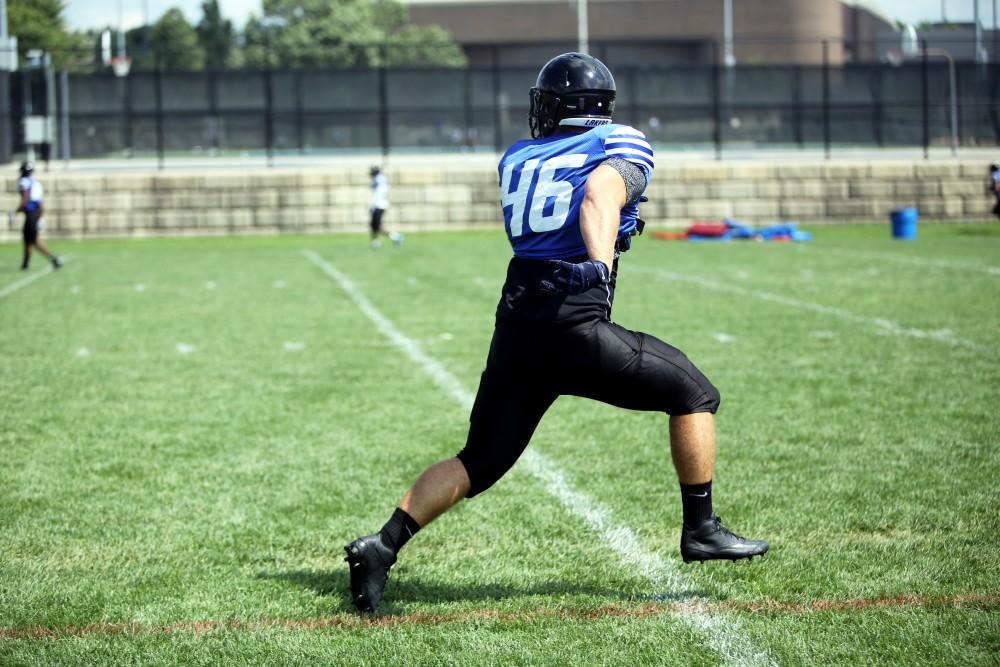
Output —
(626, 130)
(632, 155)
(630, 144)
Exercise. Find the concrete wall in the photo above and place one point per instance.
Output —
(324, 199)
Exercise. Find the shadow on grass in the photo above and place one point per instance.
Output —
(986, 230)
(407, 589)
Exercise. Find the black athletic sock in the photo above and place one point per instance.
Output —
(697, 502)
(398, 530)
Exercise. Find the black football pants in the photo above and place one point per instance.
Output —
(531, 364)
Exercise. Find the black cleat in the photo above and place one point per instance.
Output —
(712, 541)
(56, 263)
(369, 560)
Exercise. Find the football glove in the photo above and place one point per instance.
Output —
(569, 278)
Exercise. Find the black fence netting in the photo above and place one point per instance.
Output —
(920, 101)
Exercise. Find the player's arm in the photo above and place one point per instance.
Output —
(25, 194)
(600, 213)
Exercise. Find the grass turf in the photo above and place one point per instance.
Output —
(193, 428)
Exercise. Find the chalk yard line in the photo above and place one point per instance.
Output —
(906, 259)
(27, 280)
(880, 323)
(723, 632)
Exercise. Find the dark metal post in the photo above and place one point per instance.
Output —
(467, 107)
(924, 102)
(213, 109)
(269, 112)
(797, 108)
(716, 72)
(300, 131)
(158, 95)
(126, 95)
(383, 102)
(877, 108)
(826, 99)
(497, 116)
(64, 147)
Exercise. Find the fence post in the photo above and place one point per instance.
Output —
(383, 101)
(797, 108)
(158, 96)
(269, 111)
(826, 99)
(211, 82)
(467, 108)
(497, 116)
(716, 72)
(299, 113)
(924, 102)
(126, 101)
(878, 107)
(64, 147)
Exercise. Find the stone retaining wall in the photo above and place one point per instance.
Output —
(326, 199)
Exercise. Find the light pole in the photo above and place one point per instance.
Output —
(582, 27)
(979, 31)
(727, 33)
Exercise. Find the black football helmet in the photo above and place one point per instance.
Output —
(27, 169)
(572, 89)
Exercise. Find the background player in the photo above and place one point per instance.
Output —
(31, 192)
(378, 206)
(570, 201)
(994, 187)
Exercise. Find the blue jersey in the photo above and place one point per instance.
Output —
(542, 183)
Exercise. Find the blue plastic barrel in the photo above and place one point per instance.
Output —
(904, 223)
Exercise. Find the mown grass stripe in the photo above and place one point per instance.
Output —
(634, 611)
(722, 632)
(881, 323)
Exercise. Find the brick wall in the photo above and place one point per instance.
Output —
(325, 199)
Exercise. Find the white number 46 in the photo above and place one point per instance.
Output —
(559, 192)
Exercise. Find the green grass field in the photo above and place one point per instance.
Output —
(192, 430)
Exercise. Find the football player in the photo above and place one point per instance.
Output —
(377, 207)
(31, 204)
(570, 198)
(994, 187)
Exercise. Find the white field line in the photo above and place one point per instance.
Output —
(880, 323)
(722, 631)
(27, 280)
(907, 259)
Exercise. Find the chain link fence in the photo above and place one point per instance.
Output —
(921, 101)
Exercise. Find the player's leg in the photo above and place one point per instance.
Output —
(29, 235)
(376, 226)
(436, 490)
(503, 419)
(637, 371)
(48, 253)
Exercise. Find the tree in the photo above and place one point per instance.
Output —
(175, 42)
(215, 35)
(38, 24)
(349, 33)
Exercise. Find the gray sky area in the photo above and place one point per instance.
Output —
(82, 14)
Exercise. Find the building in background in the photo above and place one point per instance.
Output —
(663, 32)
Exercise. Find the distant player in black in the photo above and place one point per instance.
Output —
(994, 186)
(31, 192)
(570, 200)
(377, 207)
